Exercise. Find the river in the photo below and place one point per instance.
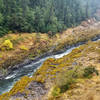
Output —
(7, 83)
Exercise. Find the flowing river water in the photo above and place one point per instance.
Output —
(7, 83)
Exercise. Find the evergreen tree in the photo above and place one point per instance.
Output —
(44, 15)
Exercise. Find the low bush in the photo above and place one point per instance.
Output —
(69, 77)
(7, 45)
(23, 48)
(65, 79)
(56, 91)
(88, 72)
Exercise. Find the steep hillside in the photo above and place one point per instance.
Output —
(14, 48)
(44, 15)
(72, 77)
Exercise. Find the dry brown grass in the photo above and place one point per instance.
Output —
(84, 55)
(36, 47)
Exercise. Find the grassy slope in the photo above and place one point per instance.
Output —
(31, 45)
(83, 89)
(84, 56)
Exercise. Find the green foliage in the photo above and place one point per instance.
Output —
(3, 31)
(88, 72)
(69, 77)
(1, 19)
(43, 15)
(56, 91)
(65, 79)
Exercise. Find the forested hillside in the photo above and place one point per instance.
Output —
(43, 15)
(49, 49)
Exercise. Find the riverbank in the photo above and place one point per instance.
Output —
(52, 76)
(45, 55)
(34, 46)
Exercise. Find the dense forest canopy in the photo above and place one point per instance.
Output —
(43, 15)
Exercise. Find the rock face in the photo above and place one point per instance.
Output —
(36, 91)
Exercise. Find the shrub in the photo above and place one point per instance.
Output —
(88, 72)
(50, 34)
(7, 45)
(65, 79)
(10, 32)
(23, 48)
(1, 55)
(56, 91)
(69, 77)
